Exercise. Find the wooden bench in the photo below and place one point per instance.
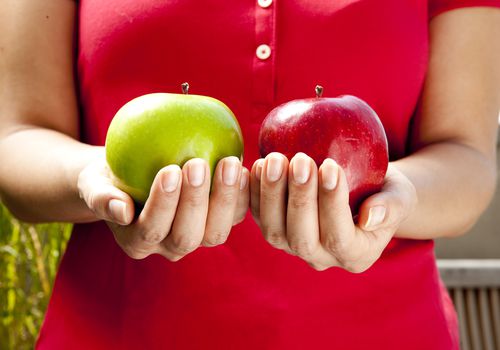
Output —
(474, 286)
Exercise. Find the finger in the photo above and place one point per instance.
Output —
(390, 206)
(243, 197)
(255, 178)
(302, 228)
(273, 190)
(105, 200)
(223, 201)
(337, 229)
(189, 223)
(155, 220)
(143, 237)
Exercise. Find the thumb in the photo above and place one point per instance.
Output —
(105, 200)
(389, 207)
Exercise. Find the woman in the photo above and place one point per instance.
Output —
(174, 277)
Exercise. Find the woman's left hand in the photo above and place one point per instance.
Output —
(305, 211)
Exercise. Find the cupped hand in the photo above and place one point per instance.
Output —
(305, 211)
(180, 214)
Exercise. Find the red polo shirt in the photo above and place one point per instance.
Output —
(245, 294)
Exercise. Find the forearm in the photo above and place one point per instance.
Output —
(454, 185)
(39, 172)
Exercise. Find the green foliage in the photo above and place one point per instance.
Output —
(29, 257)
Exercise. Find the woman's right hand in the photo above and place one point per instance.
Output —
(180, 214)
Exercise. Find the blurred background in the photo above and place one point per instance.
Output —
(29, 255)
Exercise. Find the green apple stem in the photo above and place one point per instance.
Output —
(185, 88)
(319, 90)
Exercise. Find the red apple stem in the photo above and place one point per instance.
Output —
(319, 90)
(185, 88)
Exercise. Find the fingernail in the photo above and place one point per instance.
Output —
(301, 169)
(170, 179)
(196, 172)
(117, 210)
(258, 170)
(230, 171)
(375, 216)
(244, 179)
(274, 168)
(329, 174)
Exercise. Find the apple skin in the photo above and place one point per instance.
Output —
(345, 129)
(159, 129)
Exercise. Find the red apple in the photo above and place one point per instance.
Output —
(344, 128)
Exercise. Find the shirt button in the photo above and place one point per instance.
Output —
(264, 3)
(263, 52)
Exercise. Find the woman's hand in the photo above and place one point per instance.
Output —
(305, 211)
(179, 214)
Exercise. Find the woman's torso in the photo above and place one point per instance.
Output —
(246, 294)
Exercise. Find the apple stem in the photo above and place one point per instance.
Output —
(185, 88)
(319, 90)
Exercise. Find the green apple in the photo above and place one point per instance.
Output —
(156, 130)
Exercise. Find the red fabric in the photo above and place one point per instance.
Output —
(437, 7)
(245, 294)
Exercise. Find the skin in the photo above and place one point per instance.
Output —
(38, 131)
(427, 194)
(454, 136)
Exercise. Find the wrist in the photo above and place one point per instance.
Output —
(78, 160)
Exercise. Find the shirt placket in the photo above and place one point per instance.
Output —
(263, 84)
